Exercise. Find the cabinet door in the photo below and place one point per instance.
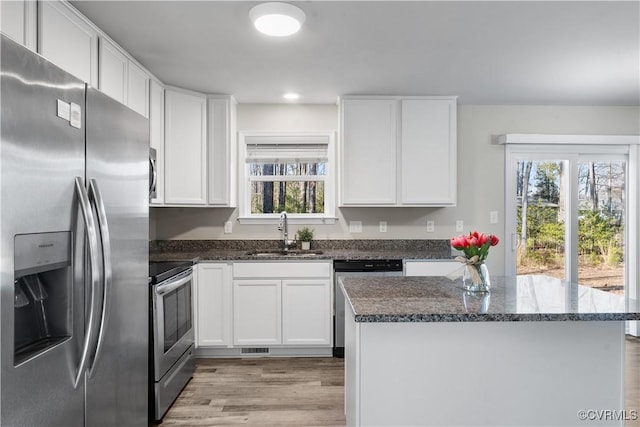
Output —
(222, 151)
(431, 268)
(428, 147)
(185, 150)
(137, 89)
(68, 40)
(18, 21)
(256, 312)
(156, 136)
(113, 71)
(368, 170)
(213, 305)
(306, 312)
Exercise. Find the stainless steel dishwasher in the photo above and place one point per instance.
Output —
(356, 268)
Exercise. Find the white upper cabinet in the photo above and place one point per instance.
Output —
(113, 71)
(185, 148)
(368, 149)
(68, 40)
(398, 151)
(222, 151)
(198, 160)
(156, 136)
(138, 89)
(428, 152)
(122, 79)
(18, 20)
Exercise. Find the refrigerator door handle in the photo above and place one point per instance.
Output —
(154, 176)
(92, 238)
(103, 226)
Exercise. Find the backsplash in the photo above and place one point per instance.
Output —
(431, 246)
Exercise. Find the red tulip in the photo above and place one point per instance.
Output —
(474, 244)
(482, 239)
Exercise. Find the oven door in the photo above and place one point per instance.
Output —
(172, 321)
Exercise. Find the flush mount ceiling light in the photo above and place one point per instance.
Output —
(277, 19)
(291, 96)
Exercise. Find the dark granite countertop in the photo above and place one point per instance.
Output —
(239, 250)
(440, 299)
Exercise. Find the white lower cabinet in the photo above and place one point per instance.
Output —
(282, 304)
(256, 312)
(213, 309)
(305, 305)
(431, 268)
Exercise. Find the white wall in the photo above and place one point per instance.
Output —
(480, 173)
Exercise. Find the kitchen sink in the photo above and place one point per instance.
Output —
(280, 252)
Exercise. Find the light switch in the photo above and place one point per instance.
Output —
(355, 226)
(383, 226)
(228, 227)
(459, 226)
(493, 217)
(431, 226)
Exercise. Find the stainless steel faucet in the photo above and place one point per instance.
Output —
(283, 226)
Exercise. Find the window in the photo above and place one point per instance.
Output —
(287, 171)
(571, 209)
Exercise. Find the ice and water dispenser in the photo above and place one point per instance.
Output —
(43, 293)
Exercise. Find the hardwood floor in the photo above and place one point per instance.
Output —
(300, 392)
(262, 391)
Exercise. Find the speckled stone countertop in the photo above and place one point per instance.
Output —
(511, 299)
(238, 250)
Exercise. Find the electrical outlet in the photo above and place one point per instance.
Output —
(228, 227)
(431, 226)
(383, 226)
(459, 226)
(355, 226)
(493, 217)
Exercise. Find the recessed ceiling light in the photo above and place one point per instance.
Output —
(277, 19)
(291, 96)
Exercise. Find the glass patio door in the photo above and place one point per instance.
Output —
(566, 210)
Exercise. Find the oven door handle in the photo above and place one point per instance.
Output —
(161, 290)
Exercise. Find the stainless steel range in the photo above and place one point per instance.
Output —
(172, 334)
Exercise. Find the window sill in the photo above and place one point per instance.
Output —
(291, 219)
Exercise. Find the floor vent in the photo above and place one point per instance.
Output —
(255, 350)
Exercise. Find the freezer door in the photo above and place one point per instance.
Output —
(41, 282)
(117, 167)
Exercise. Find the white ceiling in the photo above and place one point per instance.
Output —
(503, 52)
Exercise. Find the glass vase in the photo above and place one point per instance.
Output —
(476, 302)
(481, 285)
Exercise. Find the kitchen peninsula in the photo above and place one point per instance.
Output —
(533, 351)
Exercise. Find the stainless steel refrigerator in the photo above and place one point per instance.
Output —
(74, 251)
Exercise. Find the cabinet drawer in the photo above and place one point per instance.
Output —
(281, 269)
